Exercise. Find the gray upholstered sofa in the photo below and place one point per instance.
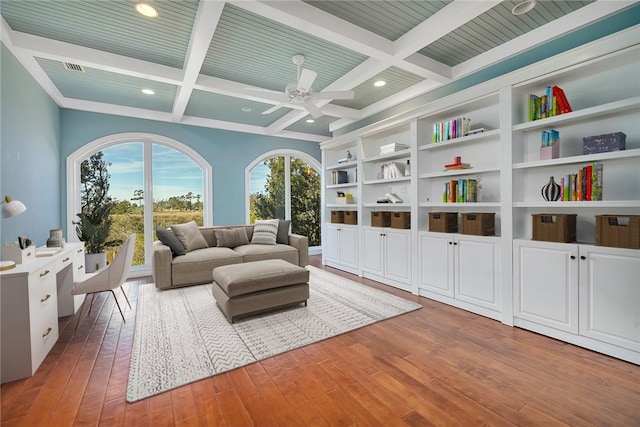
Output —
(196, 267)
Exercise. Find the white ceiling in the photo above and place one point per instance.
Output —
(202, 58)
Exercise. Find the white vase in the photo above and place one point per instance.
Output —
(93, 262)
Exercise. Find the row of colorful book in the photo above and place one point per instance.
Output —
(451, 129)
(460, 191)
(552, 103)
(585, 185)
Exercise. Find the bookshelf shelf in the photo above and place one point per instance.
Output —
(347, 165)
(599, 112)
(344, 207)
(460, 205)
(386, 205)
(348, 184)
(574, 205)
(457, 172)
(580, 159)
(463, 140)
(390, 156)
(386, 181)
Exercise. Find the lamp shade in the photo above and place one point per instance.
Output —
(12, 207)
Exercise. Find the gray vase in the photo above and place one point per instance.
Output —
(551, 191)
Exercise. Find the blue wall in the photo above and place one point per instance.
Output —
(229, 153)
(29, 153)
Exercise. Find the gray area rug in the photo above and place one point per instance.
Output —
(181, 335)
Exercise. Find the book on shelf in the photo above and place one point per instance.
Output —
(451, 129)
(339, 177)
(392, 148)
(552, 103)
(460, 191)
(563, 103)
(583, 186)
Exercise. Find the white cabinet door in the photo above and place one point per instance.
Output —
(610, 295)
(436, 255)
(546, 283)
(373, 256)
(349, 246)
(397, 253)
(477, 275)
(332, 244)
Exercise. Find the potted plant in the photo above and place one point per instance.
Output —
(94, 224)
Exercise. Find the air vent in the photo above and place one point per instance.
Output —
(73, 67)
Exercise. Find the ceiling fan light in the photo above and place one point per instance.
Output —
(145, 9)
(246, 109)
(380, 83)
(310, 121)
(523, 7)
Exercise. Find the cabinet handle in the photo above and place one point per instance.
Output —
(451, 243)
(583, 257)
(66, 259)
(79, 251)
(47, 333)
(455, 243)
(573, 257)
(44, 273)
(80, 267)
(45, 298)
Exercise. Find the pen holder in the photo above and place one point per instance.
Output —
(12, 252)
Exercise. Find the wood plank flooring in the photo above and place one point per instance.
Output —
(437, 366)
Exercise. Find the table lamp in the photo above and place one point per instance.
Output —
(10, 208)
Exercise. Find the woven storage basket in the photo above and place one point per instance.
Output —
(401, 220)
(443, 222)
(351, 217)
(381, 219)
(479, 223)
(337, 217)
(554, 227)
(618, 231)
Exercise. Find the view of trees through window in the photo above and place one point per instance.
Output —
(177, 191)
(270, 201)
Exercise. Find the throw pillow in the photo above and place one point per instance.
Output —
(230, 238)
(283, 231)
(169, 238)
(190, 236)
(265, 232)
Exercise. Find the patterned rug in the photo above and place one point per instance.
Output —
(181, 335)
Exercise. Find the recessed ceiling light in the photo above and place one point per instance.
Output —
(310, 121)
(246, 109)
(148, 91)
(380, 83)
(523, 7)
(147, 10)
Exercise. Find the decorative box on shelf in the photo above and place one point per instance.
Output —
(381, 219)
(554, 227)
(443, 222)
(604, 143)
(618, 231)
(479, 223)
(337, 217)
(12, 252)
(346, 200)
(351, 217)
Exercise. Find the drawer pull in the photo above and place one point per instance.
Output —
(44, 273)
(80, 267)
(66, 259)
(45, 298)
(79, 251)
(46, 333)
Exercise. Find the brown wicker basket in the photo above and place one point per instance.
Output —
(351, 217)
(618, 231)
(554, 227)
(337, 217)
(479, 223)
(443, 222)
(401, 220)
(381, 219)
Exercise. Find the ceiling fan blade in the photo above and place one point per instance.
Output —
(333, 94)
(274, 108)
(306, 80)
(313, 110)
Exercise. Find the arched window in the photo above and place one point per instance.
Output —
(285, 184)
(153, 181)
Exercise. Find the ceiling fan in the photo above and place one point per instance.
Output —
(300, 93)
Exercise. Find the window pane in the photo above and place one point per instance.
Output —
(267, 198)
(177, 188)
(305, 201)
(125, 182)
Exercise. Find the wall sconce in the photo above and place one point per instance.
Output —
(12, 207)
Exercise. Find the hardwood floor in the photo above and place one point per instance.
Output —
(435, 366)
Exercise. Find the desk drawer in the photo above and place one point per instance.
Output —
(43, 314)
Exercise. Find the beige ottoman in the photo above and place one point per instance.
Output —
(259, 286)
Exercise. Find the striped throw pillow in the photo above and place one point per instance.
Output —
(265, 232)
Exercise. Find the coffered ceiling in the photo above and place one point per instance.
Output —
(215, 63)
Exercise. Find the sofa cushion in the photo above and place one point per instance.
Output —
(190, 236)
(196, 266)
(283, 231)
(251, 253)
(169, 238)
(265, 232)
(232, 237)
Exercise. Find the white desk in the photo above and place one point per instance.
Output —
(32, 297)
